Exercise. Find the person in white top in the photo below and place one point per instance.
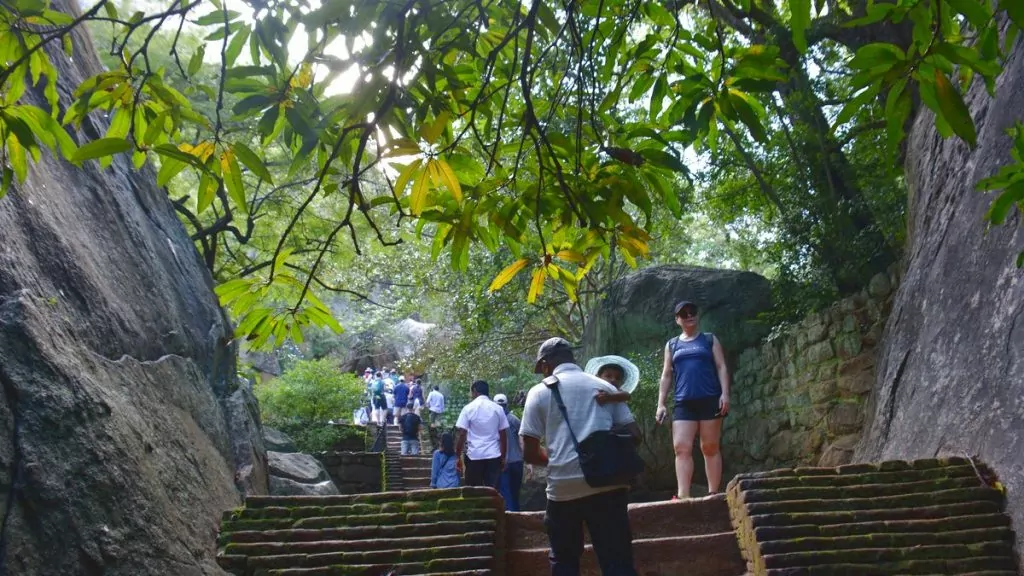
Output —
(572, 502)
(435, 405)
(484, 425)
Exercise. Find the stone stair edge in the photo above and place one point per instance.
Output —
(862, 468)
(368, 497)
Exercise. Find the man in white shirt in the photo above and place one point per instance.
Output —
(435, 405)
(484, 425)
(571, 501)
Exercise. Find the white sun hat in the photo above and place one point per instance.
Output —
(631, 374)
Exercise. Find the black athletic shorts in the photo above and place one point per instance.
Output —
(380, 402)
(697, 409)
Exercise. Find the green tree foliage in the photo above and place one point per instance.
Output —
(293, 136)
(306, 397)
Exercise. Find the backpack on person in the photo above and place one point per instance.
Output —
(378, 387)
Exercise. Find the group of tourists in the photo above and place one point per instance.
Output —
(391, 398)
(571, 411)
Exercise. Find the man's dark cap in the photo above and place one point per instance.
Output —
(551, 347)
(679, 307)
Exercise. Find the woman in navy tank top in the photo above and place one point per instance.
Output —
(695, 370)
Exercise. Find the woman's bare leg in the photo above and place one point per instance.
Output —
(710, 435)
(683, 433)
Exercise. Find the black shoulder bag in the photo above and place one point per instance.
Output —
(607, 458)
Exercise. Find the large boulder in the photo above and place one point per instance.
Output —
(637, 314)
(950, 377)
(277, 441)
(116, 447)
(297, 474)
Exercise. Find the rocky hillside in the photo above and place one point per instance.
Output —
(637, 314)
(951, 370)
(122, 433)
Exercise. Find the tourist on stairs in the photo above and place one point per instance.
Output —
(435, 405)
(443, 473)
(401, 398)
(512, 476)
(416, 396)
(572, 502)
(695, 365)
(483, 424)
(380, 402)
(410, 424)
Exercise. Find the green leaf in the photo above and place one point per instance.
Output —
(658, 96)
(954, 110)
(420, 188)
(748, 116)
(851, 108)
(799, 20)
(252, 162)
(1001, 206)
(5, 183)
(664, 159)
(233, 179)
(977, 12)
(406, 175)
(1015, 10)
(100, 148)
(878, 54)
(206, 192)
(431, 132)
(196, 62)
(235, 46)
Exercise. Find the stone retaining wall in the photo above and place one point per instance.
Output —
(801, 398)
(354, 472)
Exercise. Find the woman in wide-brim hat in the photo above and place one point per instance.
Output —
(616, 370)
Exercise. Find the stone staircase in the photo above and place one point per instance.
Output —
(427, 532)
(938, 516)
(692, 537)
(407, 472)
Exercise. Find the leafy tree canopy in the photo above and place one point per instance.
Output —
(293, 135)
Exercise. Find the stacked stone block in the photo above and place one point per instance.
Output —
(425, 532)
(937, 516)
(803, 396)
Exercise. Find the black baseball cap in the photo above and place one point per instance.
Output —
(683, 304)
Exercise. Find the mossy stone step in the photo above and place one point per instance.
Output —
(370, 557)
(860, 491)
(889, 466)
(440, 567)
(324, 546)
(358, 532)
(441, 504)
(881, 515)
(743, 483)
(893, 555)
(954, 496)
(979, 566)
(937, 525)
(892, 540)
(372, 498)
(395, 518)
(389, 519)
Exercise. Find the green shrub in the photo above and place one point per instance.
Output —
(305, 397)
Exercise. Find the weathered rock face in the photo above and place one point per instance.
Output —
(951, 369)
(116, 447)
(637, 315)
